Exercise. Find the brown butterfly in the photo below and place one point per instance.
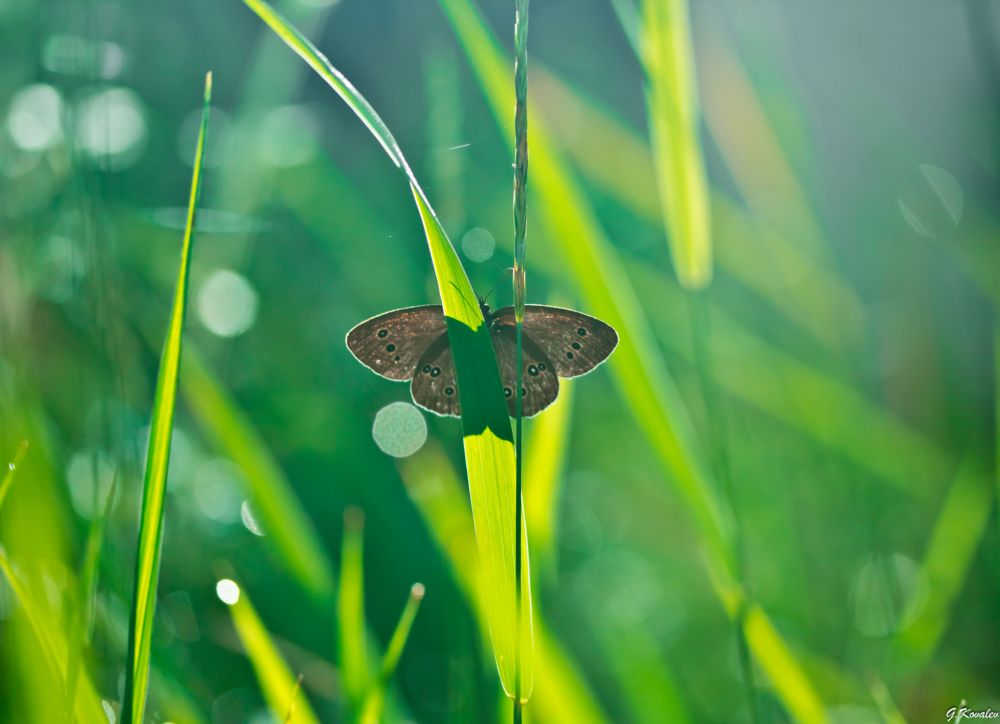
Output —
(412, 344)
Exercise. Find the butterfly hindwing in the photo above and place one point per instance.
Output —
(434, 386)
(538, 379)
(391, 344)
(575, 342)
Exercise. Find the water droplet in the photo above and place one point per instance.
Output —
(227, 591)
(399, 429)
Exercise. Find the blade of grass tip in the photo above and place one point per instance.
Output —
(674, 118)
(291, 704)
(12, 466)
(488, 438)
(157, 457)
(289, 531)
(351, 613)
(87, 596)
(374, 701)
(281, 691)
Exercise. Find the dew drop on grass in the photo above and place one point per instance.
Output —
(249, 519)
(478, 244)
(227, 303)
(399, 429)
(227, 591)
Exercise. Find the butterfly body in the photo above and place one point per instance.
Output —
(412, 344)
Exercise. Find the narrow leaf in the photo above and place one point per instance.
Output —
(488, 439)
(147, 563)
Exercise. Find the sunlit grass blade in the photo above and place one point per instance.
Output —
(560, 694)
(287, 526)
(157, 457)
(11, 473)
(375, 699)
(674, 118)
(639, 369)
(86, 704)
(354, 673)
(545, 451)
(86, 595)
(957, 535)
(282, 693)
(488, 438)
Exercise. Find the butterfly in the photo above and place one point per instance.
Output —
(412, 344)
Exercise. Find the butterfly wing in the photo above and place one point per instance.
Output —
(391, 344)
(538, 379)
(575, 342)
(434, 385)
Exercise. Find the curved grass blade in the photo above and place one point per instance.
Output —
(488, 438)
(281, 689)
(375, 700)
(674, 116)
(147, 563)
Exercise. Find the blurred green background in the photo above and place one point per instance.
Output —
(852, 154)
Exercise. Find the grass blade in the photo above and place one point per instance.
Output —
(281, 689)
(157, 457)
(351, 613)
(488, 439)
(674, 117)
(374, 701)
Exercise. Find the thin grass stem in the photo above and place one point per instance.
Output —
(520, 226)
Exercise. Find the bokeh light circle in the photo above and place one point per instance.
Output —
(478, 244)
(34, 119)
(227, 303)
(399, 429)
(227, 591)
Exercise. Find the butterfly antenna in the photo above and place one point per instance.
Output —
(503, 277)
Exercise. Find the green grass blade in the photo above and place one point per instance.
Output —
(545, 452)
(354, 671)
(375, 700)
(289, 530)
(157, 457)
(674, 117)
(12, 466)
(488, 439)
(86, 703)
(281, 691)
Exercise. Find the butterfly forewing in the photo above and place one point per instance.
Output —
(434, 385)
(392, 344)
(539, 382)
(575, 343)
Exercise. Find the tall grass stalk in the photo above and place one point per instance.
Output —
(520, 228)
(147, 564)
(12, 466)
